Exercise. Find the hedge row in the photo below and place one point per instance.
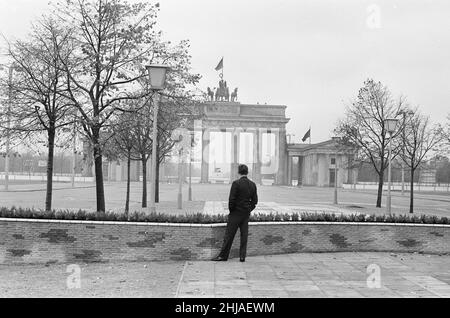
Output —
(199, 218)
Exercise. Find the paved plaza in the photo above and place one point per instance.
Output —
(283, 276)
(212, 198)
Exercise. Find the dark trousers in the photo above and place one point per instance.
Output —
(235, 221)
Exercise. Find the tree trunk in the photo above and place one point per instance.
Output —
(98, 161)
(127, 203)
(411, 197)
(380, 189)
(144, 181)
(50, 159)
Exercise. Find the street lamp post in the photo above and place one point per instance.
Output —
(74, 159)
(8, 127)
(403, 178)
(404, 113)
(190, 168)
(391, 125)
(336, 152)
(157, 74)
(335, 180)
(180, 180)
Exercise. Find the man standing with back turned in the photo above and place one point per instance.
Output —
(243, 200)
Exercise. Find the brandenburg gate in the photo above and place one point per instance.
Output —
(265, 125)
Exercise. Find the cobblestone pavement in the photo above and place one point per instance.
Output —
(320, 275)
(293, 276)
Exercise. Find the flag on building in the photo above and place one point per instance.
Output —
(220, 66)
(307, 135)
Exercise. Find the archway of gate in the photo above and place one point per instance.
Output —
(228, 149)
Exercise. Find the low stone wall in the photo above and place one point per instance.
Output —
(42, 241)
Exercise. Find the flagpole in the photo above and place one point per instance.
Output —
(310, 135)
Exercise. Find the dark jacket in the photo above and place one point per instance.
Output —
(243, 196)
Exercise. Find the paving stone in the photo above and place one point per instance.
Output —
(266, 286)
(306, 294)
(374, 293)
(269, 294)
(232, 282)
(302, 288)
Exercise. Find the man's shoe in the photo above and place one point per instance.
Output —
(242, 260)
(219, 259)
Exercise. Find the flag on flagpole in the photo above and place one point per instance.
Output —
(220, 65)
(307, 135)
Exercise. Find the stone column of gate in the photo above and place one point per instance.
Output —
(206, 134)
(282, 157)
(234, 154)
(289, 178)
(300, 171)
(257, 157)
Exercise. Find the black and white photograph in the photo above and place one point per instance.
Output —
(224, 155)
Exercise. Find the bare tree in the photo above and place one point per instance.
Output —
(364, 127)
(418, 139)
(121, 145)
(174, 113)
(38, 87)
(112, 42)
(141, 132)
(446, 135)
(177, 105)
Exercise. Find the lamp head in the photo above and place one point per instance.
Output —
(158, 76)
(391, 125)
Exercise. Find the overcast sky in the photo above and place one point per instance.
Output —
(312, 56)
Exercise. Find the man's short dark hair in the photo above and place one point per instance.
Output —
(243, 170)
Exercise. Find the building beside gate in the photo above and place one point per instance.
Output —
(320, 164)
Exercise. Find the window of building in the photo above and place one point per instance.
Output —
(333, 161)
